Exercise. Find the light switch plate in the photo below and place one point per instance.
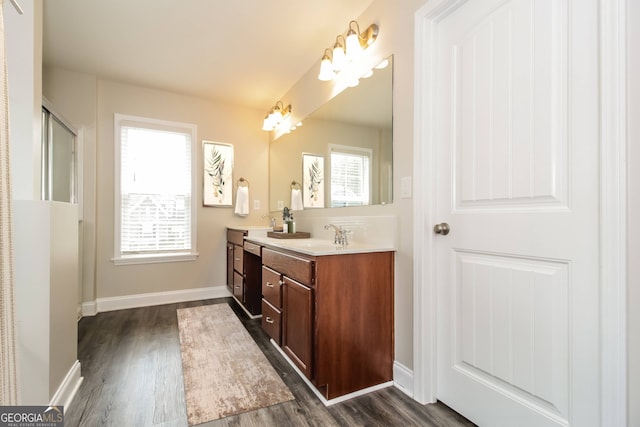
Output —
(256, 205)
(405, 187)
(280, 205)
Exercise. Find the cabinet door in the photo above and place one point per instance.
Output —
(238, 286)
(230, 267)
(297, 327)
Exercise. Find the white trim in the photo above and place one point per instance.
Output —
(154, 258)
(403, 378)
(89, 308)
(613, 212)
(325, 401)
(68, 388)
(424, 291)
(190, 128)
(153, 298)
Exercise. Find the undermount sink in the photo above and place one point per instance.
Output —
(315, 244)
(319, 247)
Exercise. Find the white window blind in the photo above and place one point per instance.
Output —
(156, 188)
(350, 176)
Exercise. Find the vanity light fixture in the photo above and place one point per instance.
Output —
(346, 50)
(278, 116)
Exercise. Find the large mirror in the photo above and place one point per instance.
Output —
(342, 155)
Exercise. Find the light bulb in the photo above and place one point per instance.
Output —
(326, 70)
(354, 49)
(339, 58)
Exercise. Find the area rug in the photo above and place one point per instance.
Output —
(225, 373)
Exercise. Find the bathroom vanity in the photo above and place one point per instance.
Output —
(329, 310)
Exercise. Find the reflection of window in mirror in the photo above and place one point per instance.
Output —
(350, 176)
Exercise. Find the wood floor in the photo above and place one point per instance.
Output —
(132, 373)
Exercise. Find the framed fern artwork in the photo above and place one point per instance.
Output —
(218, 174)
(312, 181)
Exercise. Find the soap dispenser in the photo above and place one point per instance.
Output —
(292, 225)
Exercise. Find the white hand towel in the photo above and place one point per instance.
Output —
(296, 200)
(242, 201)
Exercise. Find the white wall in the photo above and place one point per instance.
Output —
(633, 216)
(46, 254)
(23, 38)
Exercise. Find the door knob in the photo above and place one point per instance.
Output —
(442, 228)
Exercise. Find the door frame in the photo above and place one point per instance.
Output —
(613, 208)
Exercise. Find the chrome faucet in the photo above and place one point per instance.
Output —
(340, 237)
(272, 220)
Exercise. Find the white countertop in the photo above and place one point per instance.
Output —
(318, 247)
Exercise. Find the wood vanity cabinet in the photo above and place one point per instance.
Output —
(336, 317)
(244, 273)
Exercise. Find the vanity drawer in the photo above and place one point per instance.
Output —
(300, 269)
(235, 236)
(272, 287)
(238, 259)
(253, 248)
(271, 318)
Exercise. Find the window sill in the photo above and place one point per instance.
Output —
(154, 259)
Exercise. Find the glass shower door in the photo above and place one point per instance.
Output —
(58, 160)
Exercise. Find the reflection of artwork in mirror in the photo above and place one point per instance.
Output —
(218, 173)
(313, 181)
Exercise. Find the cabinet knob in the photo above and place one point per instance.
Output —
(268, 320)
(281, 282)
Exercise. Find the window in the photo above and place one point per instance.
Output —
(155, 211)
(350, 176)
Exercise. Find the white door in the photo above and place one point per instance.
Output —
(515, 133)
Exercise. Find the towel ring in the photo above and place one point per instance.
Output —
(296, 185)
(242, 181)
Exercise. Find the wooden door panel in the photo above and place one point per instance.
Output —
(297, 324)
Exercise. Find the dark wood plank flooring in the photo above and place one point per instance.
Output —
(132, 373)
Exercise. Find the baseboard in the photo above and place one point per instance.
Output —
(403, 378)
(68, 388)
(89, 308)
(150, 299)
(324, 400)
